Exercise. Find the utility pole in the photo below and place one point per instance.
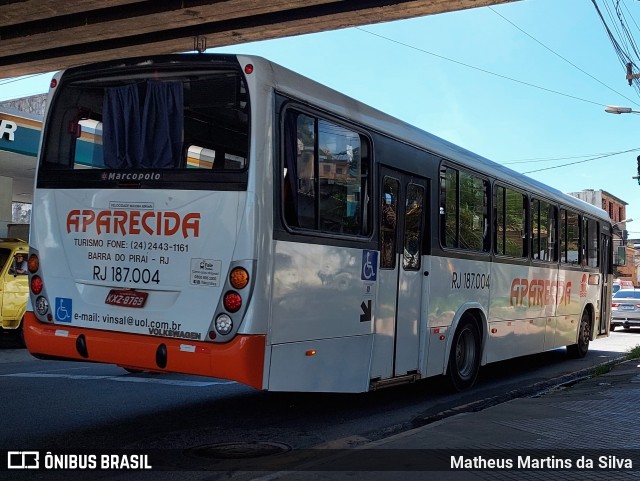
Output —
(630, 74)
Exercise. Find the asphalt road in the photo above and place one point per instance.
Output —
(53, 405)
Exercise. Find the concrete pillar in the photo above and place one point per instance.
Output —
(6, 194)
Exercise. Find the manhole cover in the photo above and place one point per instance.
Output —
(240, 450)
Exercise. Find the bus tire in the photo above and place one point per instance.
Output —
(464, 358)
(579, 350)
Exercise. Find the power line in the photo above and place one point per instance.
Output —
(560, 56)
(631, 15)
(480, 69)
(583, 161)
(548, 159)
(625, 38)
(598, 156)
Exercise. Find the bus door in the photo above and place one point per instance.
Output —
(605, 284)
(398, 309)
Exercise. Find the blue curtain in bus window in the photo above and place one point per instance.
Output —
(162, 123)
(121, 127)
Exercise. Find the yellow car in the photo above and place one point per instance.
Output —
(14, 285)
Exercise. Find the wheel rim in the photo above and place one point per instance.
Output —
(466, 354)
(585, 334)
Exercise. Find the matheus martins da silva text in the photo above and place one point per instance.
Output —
(547, 462)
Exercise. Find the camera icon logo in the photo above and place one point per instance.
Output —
(23, 460)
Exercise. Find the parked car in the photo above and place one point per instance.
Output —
(14, 285)
(621, 284)
(625, 308)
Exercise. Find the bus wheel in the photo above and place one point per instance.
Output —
(464, 359)
(580, 349)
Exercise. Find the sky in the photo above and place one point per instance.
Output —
(524, 84)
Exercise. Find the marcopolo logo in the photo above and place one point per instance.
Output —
(23, 460)
(131, 176)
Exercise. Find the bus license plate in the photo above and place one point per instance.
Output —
(119, 297)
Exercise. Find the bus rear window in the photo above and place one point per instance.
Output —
(159, 120)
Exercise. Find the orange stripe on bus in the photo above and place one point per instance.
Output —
(240, 360)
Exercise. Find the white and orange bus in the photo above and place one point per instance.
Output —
(220, 215)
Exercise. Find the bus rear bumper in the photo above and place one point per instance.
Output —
(240, 360)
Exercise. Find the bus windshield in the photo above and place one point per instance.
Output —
(160, 119)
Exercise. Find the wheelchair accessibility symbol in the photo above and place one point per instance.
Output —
(369, 270)
(64, 309)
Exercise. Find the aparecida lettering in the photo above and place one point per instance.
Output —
(133, 222)
(539, 292)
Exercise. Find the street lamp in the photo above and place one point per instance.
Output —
(622, 222)
(616, 230)
(620, 232)
(615, 109)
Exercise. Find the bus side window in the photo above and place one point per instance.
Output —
(325, 174)
(464, 210)
(413, 227)
(510, 213)
(306, 191)
(388, 214)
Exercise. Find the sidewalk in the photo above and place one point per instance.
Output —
(595, 421)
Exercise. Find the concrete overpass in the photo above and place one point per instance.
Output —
(47, 35)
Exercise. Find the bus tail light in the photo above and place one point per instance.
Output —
(224, 324)
(239, 278)
(36, 285)
(615, 304)
(232, 305)
(33, 264)
(232, 301)
(42, 305)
